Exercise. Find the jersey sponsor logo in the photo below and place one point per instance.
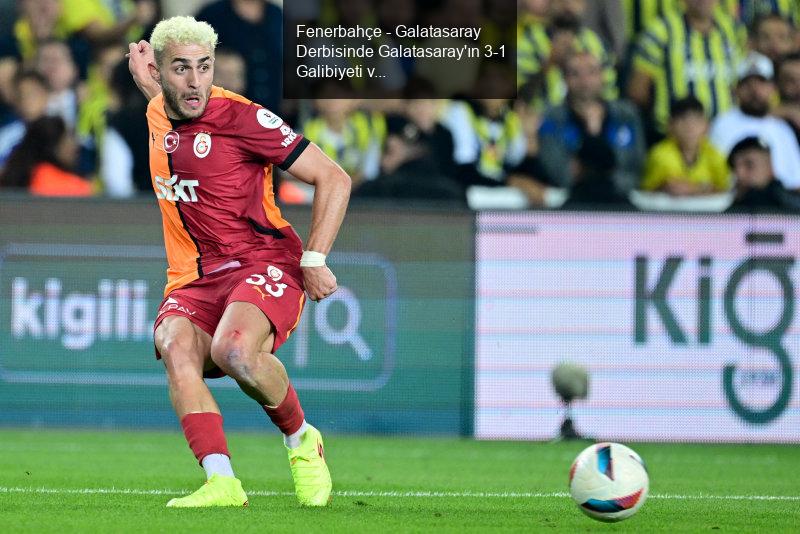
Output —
(173, 305)
(202, 145)
(171, 140)
(267, 119)
(174, 189)
(258, 281)
(289, 134)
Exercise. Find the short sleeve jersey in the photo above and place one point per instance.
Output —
(682, 62)
(213, 179)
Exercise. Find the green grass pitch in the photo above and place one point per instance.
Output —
(68, 481)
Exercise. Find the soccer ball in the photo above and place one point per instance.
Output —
(608, 482)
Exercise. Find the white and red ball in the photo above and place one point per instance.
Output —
(608, 482)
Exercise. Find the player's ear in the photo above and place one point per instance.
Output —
(154, 72)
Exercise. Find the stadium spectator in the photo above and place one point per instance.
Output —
(747, 11)
(102, 22)
(452, 78)
(253, 28)
(8, 70)
(686, 52)
(591, 145)
(529, 175)
(54, 61)
(30, 103)
(37, 21)
(788, 76)
(755, 93)
(773, 36)
(417, 161)
(124, 158)
(533, 11)
(640, 14)
(489, 138)
(602, 17)
(686, 163)
(94, 105)
(83, 23)
(43, 161)
(499, 20)
(229, 70)
(543, 47)
(756, 184)
(343, 132)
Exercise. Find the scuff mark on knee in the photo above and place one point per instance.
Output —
(234, 360)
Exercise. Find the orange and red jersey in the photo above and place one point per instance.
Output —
(213, 179)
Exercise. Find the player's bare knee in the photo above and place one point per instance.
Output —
(178, 352)
(232, 355)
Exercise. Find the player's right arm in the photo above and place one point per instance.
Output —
(140, 56)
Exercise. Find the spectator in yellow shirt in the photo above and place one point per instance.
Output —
(686, 163)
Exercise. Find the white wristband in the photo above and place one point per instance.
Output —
(312, 259)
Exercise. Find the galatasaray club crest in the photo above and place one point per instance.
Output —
(171, 139)
(202, 145)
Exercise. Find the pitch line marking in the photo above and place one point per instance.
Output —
(398, 494)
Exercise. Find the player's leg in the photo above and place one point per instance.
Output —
(185, 351)
(242, 348)
(185, 348)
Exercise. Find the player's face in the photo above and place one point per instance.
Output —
(187, 72)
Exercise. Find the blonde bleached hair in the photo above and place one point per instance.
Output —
(181, 31)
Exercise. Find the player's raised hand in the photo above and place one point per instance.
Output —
(140, 56)
(320, 282)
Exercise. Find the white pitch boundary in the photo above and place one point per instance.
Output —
(395, 494)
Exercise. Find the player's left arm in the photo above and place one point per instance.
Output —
(331, 195)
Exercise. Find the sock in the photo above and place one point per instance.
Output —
(204, 433)
(288, 415)
(293, 440)
(217, 464)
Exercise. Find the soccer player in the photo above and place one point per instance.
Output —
(237, 270)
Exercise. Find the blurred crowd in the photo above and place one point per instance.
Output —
(659, 104)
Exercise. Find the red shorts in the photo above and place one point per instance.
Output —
(277, 294)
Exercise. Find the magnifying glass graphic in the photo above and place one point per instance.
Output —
(347, 334)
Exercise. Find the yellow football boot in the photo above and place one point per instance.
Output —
(312, 480)
(218, 490)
